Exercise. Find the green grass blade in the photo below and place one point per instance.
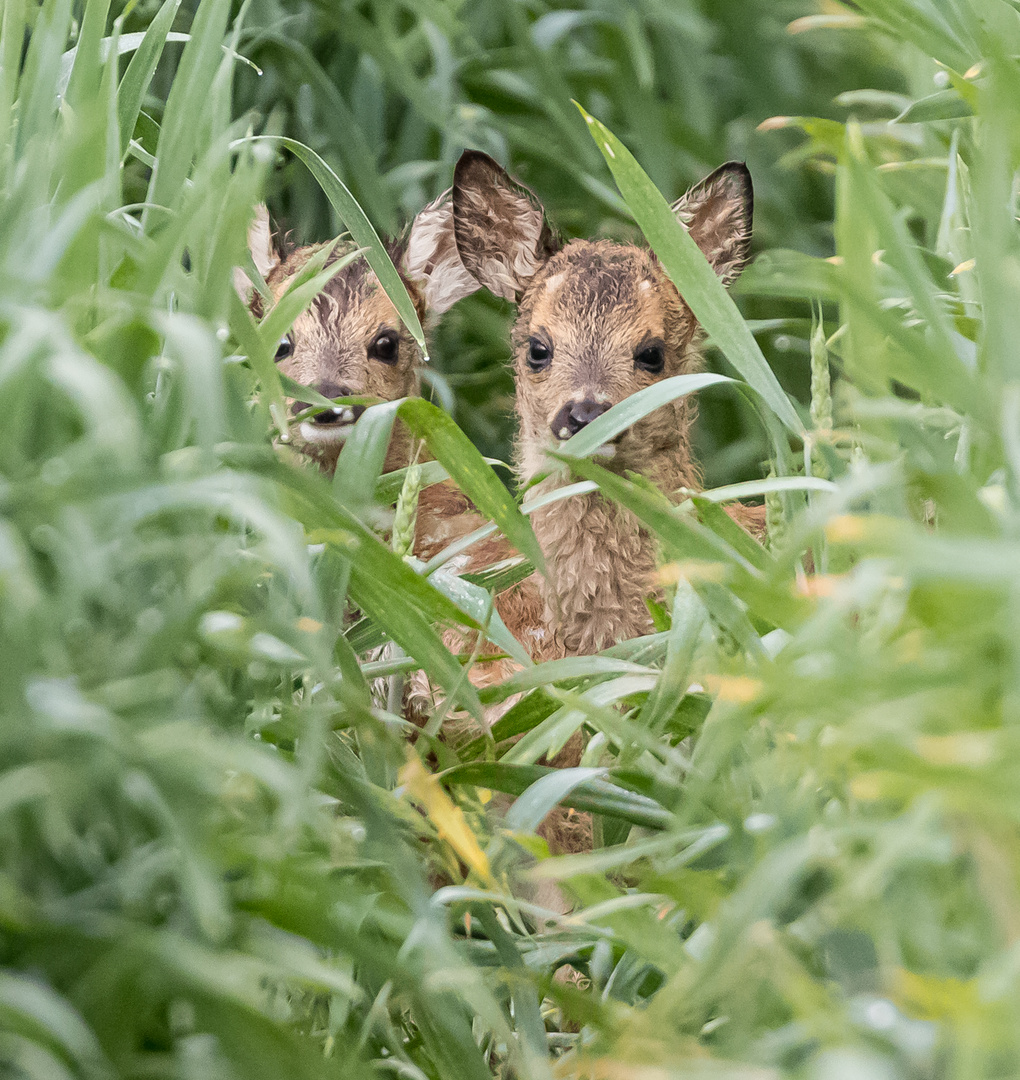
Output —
(689, 270)
(305, 287)
(468, 468)
(535, 802)
(360, 228)
(83, 85)
(627, 412)
(432, 472)
(141, 68)
(363, 457)
(689, 619)
(260, 356)
(37, 100)
(597, 796)
(476, 600)
(388, 605)
(180, 132)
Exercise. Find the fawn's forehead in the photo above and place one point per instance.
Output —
(353, 301)
(601, 286)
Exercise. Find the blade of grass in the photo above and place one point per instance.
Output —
(627, 412)
(598, 796)
(468, 468)
(689, 270)
(179, 133)
(141, 68)
(360, 228)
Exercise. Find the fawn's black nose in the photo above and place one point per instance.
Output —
(340, 414)
(576, 415)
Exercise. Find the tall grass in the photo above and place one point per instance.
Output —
(218, 855)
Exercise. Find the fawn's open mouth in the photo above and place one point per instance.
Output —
(330, 425)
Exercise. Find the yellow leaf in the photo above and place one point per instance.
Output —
(690, 570)
(931, 998)
(846, 529)
(962, 748)
(868, 786)
(446, 815)
(967, 264)
(739, 689)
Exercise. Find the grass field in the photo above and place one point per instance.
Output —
(215, 849)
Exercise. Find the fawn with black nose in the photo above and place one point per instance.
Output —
(597, 321)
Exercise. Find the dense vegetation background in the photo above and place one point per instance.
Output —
(214, 847)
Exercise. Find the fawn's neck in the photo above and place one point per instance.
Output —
(601, 562)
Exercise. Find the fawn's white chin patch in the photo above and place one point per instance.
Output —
(607, 451)
(325, 434)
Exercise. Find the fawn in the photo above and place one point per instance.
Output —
(597, 321)
(350, 341)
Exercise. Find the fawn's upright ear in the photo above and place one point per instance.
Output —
(500, 226)
(430, 257)
(264, 255)
(717, 213)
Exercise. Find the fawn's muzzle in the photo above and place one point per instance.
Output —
(576, 415)
(339, 414)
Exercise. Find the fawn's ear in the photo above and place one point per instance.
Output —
(500, 226)
(430, 257)
(264, 255)
(717, 213)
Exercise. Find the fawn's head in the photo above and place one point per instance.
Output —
(350, 341)
(597, 320)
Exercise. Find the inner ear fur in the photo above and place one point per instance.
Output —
(429, 257)
(499, 226)
(263, 254)
(718, 214)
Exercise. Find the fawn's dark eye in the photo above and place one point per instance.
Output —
(385, 347)
(284, 349)
(539, 355)
(650, 358)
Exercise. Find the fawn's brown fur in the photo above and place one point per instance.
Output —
(597, 321)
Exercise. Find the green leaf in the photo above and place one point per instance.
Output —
(83, 85)
(383, 599)
(749, 488)
(689, 270)
(554, 671)
(689, 619)
(552, 735)
(40, 73)
(141, 68)
(598, 796)
(360, 228)
(534, 803)
(179, 137)
(715, 518)
(627, 412)
(363, 457)
(684, 537)
(432, 472)
(468, 468)
(301, 291)
(527, 713)
(942, 105)
(246, 333)
(302, 393)
(477, 601)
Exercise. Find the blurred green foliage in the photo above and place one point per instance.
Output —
(218, 856)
